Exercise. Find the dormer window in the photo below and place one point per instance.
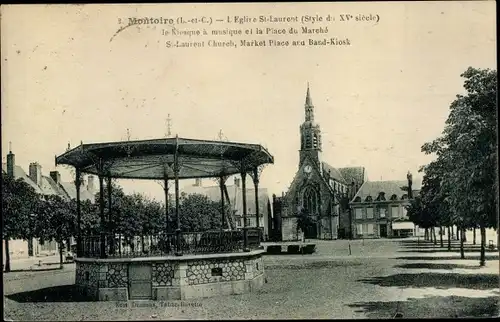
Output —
(369, 199)
(357, 199)
(381, 196)
(405, 196)
(394, 197)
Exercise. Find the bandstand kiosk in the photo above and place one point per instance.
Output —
(179, 265)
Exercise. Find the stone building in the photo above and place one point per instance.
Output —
(318, 189)
(378, 209)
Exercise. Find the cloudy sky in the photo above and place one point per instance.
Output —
(377, 101)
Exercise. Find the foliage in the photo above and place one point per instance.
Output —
(460, 186)
(19, 201)
(304, 220)
(199, 213)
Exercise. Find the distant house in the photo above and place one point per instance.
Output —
(378, 210)
(234, 192)
(43, 185)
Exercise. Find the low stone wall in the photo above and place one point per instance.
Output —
(172, 277)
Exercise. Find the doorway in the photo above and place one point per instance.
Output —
(140, 281)
(383, 230)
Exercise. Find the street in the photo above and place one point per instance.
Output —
(381, 279)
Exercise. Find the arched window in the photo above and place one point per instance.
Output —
(315, 141)
(357, 199)
(405, 196)
(308, 141)
(368, 199)
(310, 200)
(394, 197)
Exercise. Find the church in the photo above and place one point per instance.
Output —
(318, 190)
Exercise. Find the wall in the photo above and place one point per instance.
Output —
(175, 278)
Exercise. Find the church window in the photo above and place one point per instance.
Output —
(315, 141)
(310, 200)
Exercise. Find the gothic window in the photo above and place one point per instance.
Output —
(310, 200)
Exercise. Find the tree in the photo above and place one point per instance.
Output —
(466, 154)
(304, 221)
(57, 221)
(19, 201)
(199, 213)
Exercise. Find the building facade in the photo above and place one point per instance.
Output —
(317, 189)
(379, 210)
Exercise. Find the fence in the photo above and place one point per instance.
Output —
(210, 242)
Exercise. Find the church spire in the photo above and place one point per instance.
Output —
(309, 108)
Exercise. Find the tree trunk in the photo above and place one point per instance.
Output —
(441, 235)
(464, 235)
(434, 235)
(458, 233)
(449, 238)
(482, 260)
(426, 234)
(462, 254)
(61, 249)
(474, 236)
(142, 243)
(7, 255)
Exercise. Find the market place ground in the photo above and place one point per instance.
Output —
(379, 279)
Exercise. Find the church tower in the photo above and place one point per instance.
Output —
(310, 133)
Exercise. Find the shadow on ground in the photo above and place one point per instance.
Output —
(64, 293)
(33, 270)
(313, 265)
(436, 266)
(449, 307)
(444, 250)
(437, 280)
(432, 258)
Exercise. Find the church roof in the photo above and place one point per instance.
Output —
(334, 173)
(356, 174)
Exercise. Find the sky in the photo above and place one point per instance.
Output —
(377, 101)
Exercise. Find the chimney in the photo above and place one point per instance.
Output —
(35, 173)
(237, 182)
(90, 183)
(197, 182)
(11, 163)
(56, 176)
